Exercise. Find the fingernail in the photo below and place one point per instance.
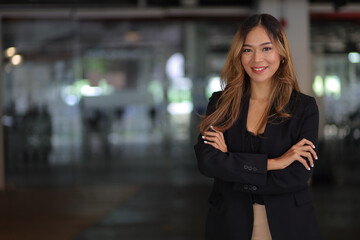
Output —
(313, 146)
(312, 165)
(205, 141)
(203, 137)
(316, 158)
(309, 169)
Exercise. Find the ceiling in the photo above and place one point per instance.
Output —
(145, 3)
(122, 3)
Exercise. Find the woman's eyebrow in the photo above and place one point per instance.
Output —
(265, 43)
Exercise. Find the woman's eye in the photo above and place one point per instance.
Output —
(246, 50)
(267, 49)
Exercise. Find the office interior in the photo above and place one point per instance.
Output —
(101, 102)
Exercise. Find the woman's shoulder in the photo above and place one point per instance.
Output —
(301, 96)
(302, 101)
(216, 95)
(212, 102)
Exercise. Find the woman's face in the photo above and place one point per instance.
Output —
(259, 56)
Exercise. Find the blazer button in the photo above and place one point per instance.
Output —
(250, 168)
(246, 187)
(254, 188)
(246, 167)
(255, 169)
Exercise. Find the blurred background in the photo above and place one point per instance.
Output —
(99, 103)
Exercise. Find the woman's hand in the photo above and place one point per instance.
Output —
(215, 139)
(303, 148)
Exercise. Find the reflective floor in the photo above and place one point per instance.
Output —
(151, 194)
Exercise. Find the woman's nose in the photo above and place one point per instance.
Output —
(258, 56)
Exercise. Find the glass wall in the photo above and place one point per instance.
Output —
(36, 119)
(336, 73)
(98, 92)
(107, 92)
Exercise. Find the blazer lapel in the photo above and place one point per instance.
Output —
(274, 126)
(236, 133)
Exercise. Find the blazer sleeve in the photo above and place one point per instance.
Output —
(230, 166)
(294, 177)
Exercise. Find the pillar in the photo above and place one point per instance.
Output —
(195, 49)
(295, 16)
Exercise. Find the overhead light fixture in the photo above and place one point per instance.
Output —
(16, 59)
(333, 86)
(10, 52)
(354, 57)
(318, 86)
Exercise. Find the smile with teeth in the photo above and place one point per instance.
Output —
(258, 68)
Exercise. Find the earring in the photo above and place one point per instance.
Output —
(283, 60)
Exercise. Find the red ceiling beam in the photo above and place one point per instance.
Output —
(336, 16)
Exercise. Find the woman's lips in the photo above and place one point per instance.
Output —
(258, 69)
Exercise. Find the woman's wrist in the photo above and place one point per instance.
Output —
(270, 164)
(273, 164)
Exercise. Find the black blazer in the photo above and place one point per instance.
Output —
(237, 175)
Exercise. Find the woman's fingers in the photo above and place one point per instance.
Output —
(303, 162)
(211, 138)
(214, 135)
(212, 144)
(304, 141)
(213, 128)
(309, 157)
(309, 149)
(215, 139)
(301, 153)
(217, 145)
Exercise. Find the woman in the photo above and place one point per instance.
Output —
(258, 141)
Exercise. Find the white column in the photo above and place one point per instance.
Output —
(295, 14)
(195, 68)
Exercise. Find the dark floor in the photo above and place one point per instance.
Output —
(148, 197)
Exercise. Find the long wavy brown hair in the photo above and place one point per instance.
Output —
(235, 81)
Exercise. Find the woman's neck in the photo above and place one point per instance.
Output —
(260, 91)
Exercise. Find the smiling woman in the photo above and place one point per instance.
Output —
(258, 141)
(260, 59)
